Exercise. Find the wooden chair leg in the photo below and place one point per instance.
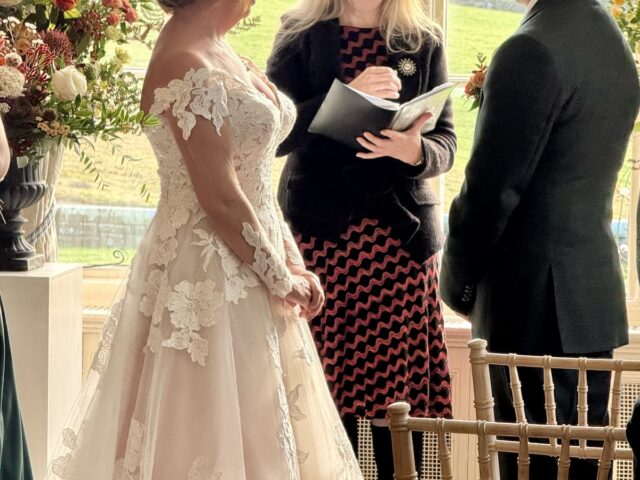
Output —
(403, 460)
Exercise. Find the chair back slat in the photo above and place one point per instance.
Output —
(564, 461)
(516, 390)
(481, 365)
(523, 454)
(616, 394)
(484, 457)
(583, 389)
(549, 396)
(606, 461)
(525, 445)
(444, 454)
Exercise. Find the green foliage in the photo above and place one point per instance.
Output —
(75, 89)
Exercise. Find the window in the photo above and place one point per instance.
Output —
(92, 222)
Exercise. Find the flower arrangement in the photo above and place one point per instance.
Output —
(627, 15)
(473, 88)
(58, 84)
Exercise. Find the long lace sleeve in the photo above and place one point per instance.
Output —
(199, 107)
(294, 257)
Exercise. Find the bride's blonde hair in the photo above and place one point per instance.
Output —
(405, 24)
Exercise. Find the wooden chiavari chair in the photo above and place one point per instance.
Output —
(481, 359)
(401, 425)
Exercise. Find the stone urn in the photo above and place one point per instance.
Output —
(21, 188)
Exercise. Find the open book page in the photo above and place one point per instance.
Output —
(378, 102)
(432, 102)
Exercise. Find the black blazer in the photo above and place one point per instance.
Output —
(324, 185)
(530, 250)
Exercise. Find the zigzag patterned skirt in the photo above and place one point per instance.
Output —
(381, 335)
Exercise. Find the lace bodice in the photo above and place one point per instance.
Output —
(255, 126)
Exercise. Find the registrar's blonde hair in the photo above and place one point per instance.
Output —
(405, 24)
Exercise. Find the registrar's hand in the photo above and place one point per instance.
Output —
(404, 146)
(381, 82)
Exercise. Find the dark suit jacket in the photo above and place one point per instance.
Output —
(633, 435)
(531, 225)
(324, 185)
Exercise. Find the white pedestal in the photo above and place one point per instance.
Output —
(44, 317)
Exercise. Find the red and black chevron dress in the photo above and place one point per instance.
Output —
(381, 335)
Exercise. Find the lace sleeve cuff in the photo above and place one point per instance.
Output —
(271, 268)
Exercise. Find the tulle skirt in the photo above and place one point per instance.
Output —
(202, 374)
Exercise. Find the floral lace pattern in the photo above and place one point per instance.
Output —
(201, 469)
(192, 306)
(269, 268)
(101, 357)
(206, 96)
(130, 467)
(238, 276)
(286, 436)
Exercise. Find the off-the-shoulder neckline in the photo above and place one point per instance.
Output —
(213, 69)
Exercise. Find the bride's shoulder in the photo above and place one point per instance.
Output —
(173, 72)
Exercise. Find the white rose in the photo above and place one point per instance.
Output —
(68, 83)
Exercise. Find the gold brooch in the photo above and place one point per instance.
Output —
(407, 67)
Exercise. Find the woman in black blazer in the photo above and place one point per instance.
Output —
(366, 222)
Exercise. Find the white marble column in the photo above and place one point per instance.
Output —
(44, 317)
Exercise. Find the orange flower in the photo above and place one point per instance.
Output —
(477, 79)
(113, 18)
(616, 11)
(619, 2)
(469, 89)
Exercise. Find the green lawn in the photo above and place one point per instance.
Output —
(93, 256)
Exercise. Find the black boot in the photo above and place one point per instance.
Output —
(418, 447)
(350, 423)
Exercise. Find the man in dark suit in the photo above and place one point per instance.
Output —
(530, 257)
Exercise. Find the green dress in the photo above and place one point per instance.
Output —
(14, 455)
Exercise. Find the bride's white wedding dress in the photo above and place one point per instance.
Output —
(202, 372)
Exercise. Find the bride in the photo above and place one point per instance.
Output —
(206, 369)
